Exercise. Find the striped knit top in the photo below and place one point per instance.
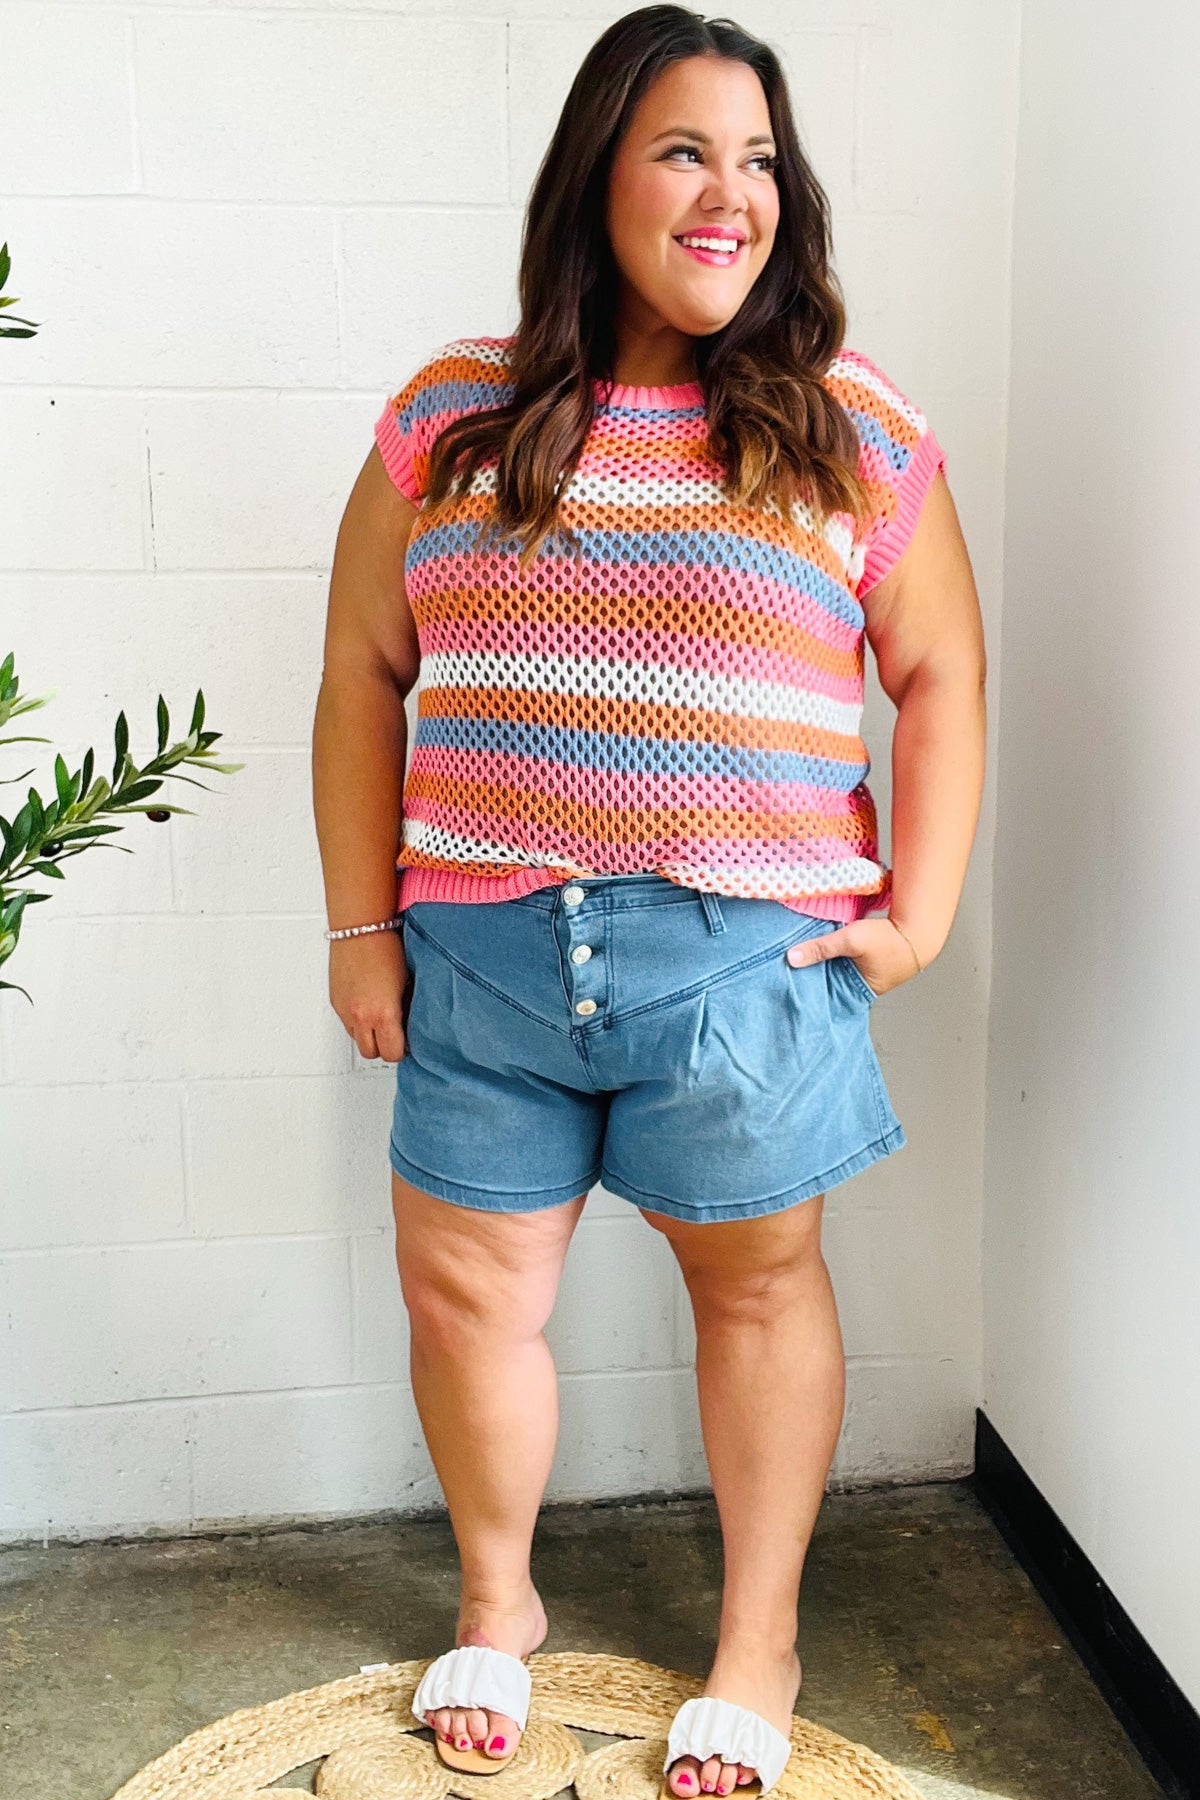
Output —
(686, 700)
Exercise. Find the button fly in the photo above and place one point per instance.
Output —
(585, 1006)
(581, 953)
(572, 896)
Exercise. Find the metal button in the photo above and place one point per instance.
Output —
(581, 953)
(585, 1006)
(572, 896)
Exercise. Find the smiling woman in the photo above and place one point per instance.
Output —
(634, 549)
(674, 184)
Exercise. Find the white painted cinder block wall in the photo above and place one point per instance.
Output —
(1092, 1239)
(239, 228)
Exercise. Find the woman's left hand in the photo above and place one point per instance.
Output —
(881, 953)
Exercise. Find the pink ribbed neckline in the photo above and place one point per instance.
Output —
(683, 393)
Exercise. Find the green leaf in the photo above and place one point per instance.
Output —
(89, 830)
(99, 793)
(138, 790)
(197, 712)
(5, 264)
(85, 773)
(164, 724)
(6, 667)
(10, 915)
(20, 828)
(64, 783)
(46, 868)
(121, 740)
(18, 987)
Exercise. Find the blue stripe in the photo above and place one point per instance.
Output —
(872, 432)
(617, 752)
(676, 552)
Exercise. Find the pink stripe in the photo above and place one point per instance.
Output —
(532, 837)
(628, 791)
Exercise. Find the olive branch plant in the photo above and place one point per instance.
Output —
(43, 835)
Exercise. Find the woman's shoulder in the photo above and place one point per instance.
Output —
(460, 376)
(899, 453)
(888, 420)
(456, 376)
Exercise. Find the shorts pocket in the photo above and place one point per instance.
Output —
(856, 978)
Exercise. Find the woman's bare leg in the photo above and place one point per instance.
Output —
(479, 1288)
(770, 1370)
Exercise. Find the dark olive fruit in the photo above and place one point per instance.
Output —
(158, 814)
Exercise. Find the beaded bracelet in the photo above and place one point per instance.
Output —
(357, 930)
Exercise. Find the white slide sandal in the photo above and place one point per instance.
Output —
(706, 1726)
(475, 1676)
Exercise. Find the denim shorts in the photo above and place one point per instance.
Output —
(627, 1030)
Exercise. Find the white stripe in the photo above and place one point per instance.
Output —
(879, 384)
(636, 490)
(594, 677)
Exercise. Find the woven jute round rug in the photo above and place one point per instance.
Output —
(370, 1747)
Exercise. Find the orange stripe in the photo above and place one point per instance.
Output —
(615, 824)
(702, 619)
(633, 718)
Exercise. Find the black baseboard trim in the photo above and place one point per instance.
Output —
(1160, 1720)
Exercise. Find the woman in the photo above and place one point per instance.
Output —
(633, 549)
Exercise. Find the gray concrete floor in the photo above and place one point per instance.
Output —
(919, 1635)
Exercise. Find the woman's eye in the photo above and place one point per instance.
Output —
(770, 162)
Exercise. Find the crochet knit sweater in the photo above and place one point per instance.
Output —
(686, 701)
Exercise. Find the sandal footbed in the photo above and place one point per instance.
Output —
(472, 1761)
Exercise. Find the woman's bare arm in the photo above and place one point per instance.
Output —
(923, 623)
(371, 662)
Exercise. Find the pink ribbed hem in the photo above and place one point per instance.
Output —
(449, 884)
(623, 393)
(885, 551)
(397, 457)
(843, 907)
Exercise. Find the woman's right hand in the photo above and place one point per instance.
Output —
(368, 989)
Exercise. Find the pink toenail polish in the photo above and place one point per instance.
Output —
(685, 1779)
(497, 1743)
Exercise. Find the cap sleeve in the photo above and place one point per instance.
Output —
(411, 419)
(899, 455)
(466, 375)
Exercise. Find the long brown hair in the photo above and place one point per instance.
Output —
(777, 432)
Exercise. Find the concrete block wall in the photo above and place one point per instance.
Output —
(239, 227)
